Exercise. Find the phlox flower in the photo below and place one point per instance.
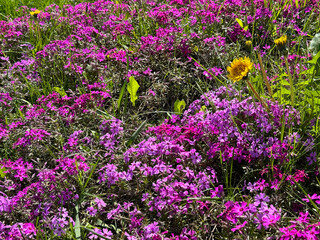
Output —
(92, 211)
(105, 233)
(239, 227)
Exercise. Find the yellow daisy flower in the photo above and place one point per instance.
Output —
(35, 13)
(239, 68)
(281, 42)
(249, 43)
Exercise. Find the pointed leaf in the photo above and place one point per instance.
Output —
(60, 91)
(179, 106)
(77, 225)
(132, 88)
(314, 60)
(2, 172)
(104, 114)
(123, 88)
(136, 133)
(203, 108)
(240, 22)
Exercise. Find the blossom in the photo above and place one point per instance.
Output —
(35, 12)
(260, 198)
(100, 203)
(312, 158)
(281, 42)
(239, 69)
(92, 211)
(151, 230)
(104, 233)
(238, 227)
(313, 197)
(248, 43)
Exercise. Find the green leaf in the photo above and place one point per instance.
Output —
(2, 172)
(179, 106)
(314, 60)
(104, 114)
(308, 71)
(282, 91)
(303, 83)
(284, 82)
(97, 234)
(240, 22)
(135, 134)
(77, 225)
(121, 93)
(60, 91)
(203, 108)
(132, 88)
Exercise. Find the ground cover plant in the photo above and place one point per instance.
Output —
(160, 120)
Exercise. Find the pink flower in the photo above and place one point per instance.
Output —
(238, 227)
(92, 211)
(151, 92)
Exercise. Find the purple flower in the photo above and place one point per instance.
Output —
(144, 197)
(151, 230)
(100, 204)
(240, 209)
(4, 204)
(314, 197)
(92, 211)
(261, 198)
(29, 229)
(105, 233)
(238, 227)
(312, 158)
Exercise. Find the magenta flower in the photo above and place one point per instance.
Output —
(100, 204)
(239, 227)
(92, 211)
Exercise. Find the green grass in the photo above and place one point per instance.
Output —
(12, 8)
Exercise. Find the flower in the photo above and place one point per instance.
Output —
(35, 12)
(281, 42)
(100, 204)
(249, 43)
(312, 158)
(238, 227)
(239, 68)
(92, 211)
(104, 233)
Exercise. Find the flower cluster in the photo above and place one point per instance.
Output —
(79, 161)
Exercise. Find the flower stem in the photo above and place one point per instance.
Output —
(263, 72)
(257, 96)
(290, 80)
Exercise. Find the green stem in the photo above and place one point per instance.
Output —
(263, 72)
(290, 80)
(257, 96)
(306, 194)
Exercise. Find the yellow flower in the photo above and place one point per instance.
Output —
(239, 68)
(281, 42)
(249, 43)
(35, 13)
